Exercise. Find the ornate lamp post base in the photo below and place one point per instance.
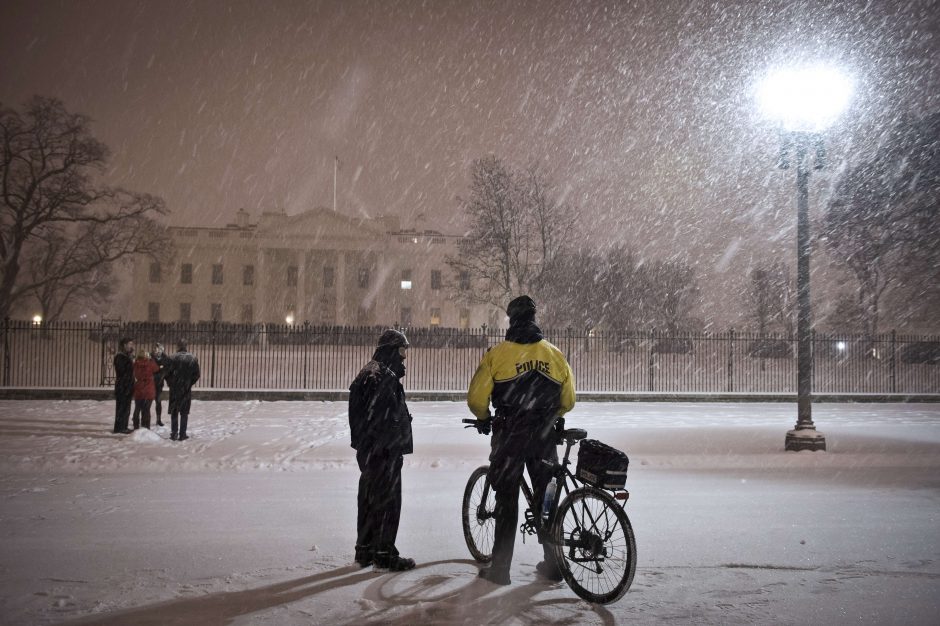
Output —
(805, 439)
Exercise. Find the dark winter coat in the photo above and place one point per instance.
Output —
(144, 370)
(378, 415)
(123, 376)
(163, 362)
(182, 373)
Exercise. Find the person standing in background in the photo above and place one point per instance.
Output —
(158, 355)
(182, 374)
(144, 390)
(123, 385)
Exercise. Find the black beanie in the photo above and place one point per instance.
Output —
(521, 309)
(393, 338)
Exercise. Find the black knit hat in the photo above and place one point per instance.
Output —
(522, 307)
(392, 337)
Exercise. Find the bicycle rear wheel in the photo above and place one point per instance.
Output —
(594, 545)
(479, 523)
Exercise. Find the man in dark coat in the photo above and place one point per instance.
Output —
(182, 373)
(381, 434)
(123, 385)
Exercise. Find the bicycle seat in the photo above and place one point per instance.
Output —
(573, 434)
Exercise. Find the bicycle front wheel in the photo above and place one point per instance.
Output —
(594, 545)
(479, 521)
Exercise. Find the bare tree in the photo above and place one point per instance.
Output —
(517, 230)
(669, 296)
(56, 288)
(770, 296)
(52, 208)
(882, 221)
(618, 290)
(577, 294)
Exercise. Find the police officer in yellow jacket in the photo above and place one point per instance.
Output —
(530, 384)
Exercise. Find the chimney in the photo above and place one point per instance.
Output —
(241, 218)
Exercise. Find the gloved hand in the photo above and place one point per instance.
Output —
(484, 426)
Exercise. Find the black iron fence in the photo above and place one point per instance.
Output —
(277, 356)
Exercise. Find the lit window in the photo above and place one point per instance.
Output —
(435, 317)
(406, 284)
(406, 279)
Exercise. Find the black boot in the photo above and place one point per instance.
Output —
(495, 576)
(364, 556)
(548, 569)
(386, 561)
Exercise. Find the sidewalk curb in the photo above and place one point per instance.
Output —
(341, 395)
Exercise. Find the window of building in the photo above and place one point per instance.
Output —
(248, 275)
(248, 314)
(153, 311)
(154, 272)
(215, 312)
(329, 277)
(435, 279)
(406, 279)
(217, 274)
(186, 273)
(406, 316)
(363, 277)
(465, 318)
(464, 281)
(186, 312)
(435, 316)
(291, 275)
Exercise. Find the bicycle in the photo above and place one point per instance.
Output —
(589, 532)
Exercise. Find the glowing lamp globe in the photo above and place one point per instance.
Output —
(804, 99)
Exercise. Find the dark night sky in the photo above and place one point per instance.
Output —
(641, 112)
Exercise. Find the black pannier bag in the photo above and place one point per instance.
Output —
(601, 466)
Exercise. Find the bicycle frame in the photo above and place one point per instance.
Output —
(533, 520)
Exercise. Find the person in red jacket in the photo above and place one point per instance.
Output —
(144, 388)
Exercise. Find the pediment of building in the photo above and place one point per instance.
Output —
(320, 223)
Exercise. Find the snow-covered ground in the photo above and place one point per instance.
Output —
(252, 520)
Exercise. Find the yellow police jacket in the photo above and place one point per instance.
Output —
(516, 377)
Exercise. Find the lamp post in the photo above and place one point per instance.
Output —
(804, 101)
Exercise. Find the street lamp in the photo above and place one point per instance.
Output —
(804, 101)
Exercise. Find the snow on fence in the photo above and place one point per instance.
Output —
(303, 356)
